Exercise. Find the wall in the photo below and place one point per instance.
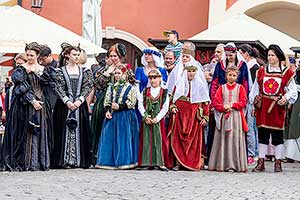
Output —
(65, 13)
(230, 3)
(147, 19)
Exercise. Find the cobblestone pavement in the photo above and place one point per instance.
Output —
(145, 184)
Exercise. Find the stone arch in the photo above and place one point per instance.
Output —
(112, 33)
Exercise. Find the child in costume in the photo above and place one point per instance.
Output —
(153, 106)
(118, 144)
(229, 145)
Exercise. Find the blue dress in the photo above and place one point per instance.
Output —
(143, 78)
(119, 140)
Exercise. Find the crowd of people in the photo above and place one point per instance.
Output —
(172, 113)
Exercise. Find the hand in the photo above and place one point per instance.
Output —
(37, 105)
(108, 115)
(203, 122)
(110, 70)
(115, 106)
(71, 105)
(154, 121)
(282, 101)
(148, 120)
(253, 113)
(77, 103)
(227, 108)
(174, 110)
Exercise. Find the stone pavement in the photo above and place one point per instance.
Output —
(143, 184)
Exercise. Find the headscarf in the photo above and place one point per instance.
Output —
(230, 46)
(199, 89)
(157, 57)
(177, 72)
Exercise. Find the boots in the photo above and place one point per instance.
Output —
(260, 167)
(277, 166)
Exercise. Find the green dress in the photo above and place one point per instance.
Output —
(153, 137)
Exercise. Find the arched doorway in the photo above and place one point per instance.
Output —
(133, 55)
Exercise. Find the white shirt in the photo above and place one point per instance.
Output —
(291, 94)
(154, 93)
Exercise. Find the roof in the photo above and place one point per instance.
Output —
(20, 26)
(243, 28)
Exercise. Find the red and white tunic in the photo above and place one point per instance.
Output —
(270, 84)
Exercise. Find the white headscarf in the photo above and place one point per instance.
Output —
(199, 89)
(177, 72)
(157, 57)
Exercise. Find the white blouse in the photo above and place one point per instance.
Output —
(154, 93)
(291, 89)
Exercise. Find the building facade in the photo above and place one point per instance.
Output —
(133, 22)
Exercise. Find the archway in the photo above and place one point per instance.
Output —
(134, 45)
(281, 15)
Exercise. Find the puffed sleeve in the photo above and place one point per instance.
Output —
(61, 86)
(140, 98)
(131, 98)
(22, 88)
(87, 84)
(102, 78)
(218, 100)
(107, 99)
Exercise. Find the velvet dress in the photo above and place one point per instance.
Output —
(72, 130)
(28, 133)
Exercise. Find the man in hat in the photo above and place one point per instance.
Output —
(173, 45)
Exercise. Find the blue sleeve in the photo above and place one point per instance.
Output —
(139, 76)
(138, 73)
(164, 74)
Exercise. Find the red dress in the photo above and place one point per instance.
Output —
(186, 132)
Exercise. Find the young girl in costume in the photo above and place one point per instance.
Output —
(229, 145)
(153, 106)
(190, 110)
(118, 144)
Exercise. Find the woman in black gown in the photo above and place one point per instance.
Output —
(71, 117)
(28, 132)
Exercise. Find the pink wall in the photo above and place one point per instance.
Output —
(230, 3)
(67, 13)
(147, 19)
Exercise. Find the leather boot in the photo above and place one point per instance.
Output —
(277, 166)
(260, 167)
